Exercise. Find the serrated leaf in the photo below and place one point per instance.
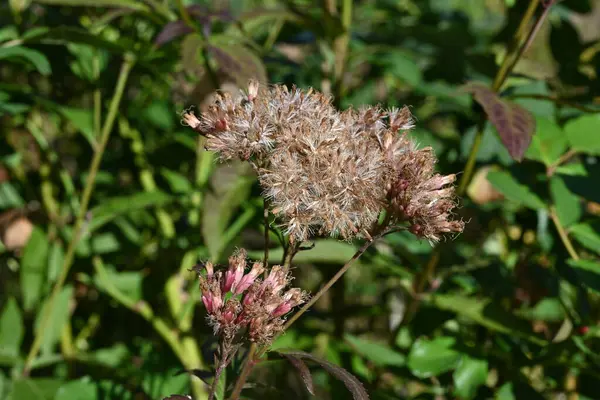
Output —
(429, 358)
(583, 134)
(378, 353)
(549, 142)
(568, 207)
(588, 235)
(352, 384)
(514, 124)
(33, 268)
(303, 371)
(39, 60)
(588, 272)
(11, 329)
(470, 374)
(513, 190)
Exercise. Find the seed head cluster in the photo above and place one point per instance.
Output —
(326, 172)
(238, 301)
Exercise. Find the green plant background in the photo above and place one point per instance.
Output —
(92, 153)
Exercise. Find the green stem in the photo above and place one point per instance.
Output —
(563, 234)
(85, 199)
(246, 369)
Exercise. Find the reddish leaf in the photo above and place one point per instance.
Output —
(303, 371)
(171, 31)
(238, 62)
(514, 124)
(352, 384)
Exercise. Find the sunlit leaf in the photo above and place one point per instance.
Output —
(11, 329)
(432, 357)
(568, 207)
(513, 190)
(378, 353)
(582, 134)
(470, 374)
(39, 60)
(33, 268)
(549, 142)
(514, 124)
(588, 235)
(57, 318)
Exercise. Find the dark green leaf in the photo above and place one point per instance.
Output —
(133, 4)
(39, 60)
(403, 67)
(9, 196)
(432, 357)
(33, 268)
(513, 190)
(470, 374)
(588, 272)
(568, 207)
(34, 389)
(179, 183)
(582, 134)
(378, 353)
(83, 121)
(11, 329)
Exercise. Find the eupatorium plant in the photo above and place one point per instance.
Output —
(351, 174)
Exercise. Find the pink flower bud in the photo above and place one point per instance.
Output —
(282, 309)
(209, 270)
(248, 279)
(232, 277)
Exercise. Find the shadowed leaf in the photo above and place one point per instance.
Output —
(515, 124)
(352, 384)
(238, 62)
(171, 31)
(303, 371)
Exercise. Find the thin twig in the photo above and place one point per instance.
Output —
(81, 217)
(267, 232)
(246, 369)
(563, 234)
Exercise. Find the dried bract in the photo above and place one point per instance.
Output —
(327, 172)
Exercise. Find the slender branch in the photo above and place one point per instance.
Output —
(85, 200)
(563, 159)
(267, 232)
(563, 234)
(246, 369)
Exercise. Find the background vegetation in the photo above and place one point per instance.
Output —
(106, 201)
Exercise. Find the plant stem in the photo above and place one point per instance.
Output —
(81, 217)
(267, 232)
(330, 283)
(563, 234)
(246, 369)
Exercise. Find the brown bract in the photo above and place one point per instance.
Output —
(327, 172)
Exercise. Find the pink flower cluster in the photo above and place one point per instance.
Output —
(241, 302)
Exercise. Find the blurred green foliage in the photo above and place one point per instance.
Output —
(507, 310)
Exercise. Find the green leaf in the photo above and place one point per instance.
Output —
(9, 196)
(56, 257)
(429, 358)
(487, 313)
(83, 120)
(58, 318)
(402, 65)
(588, 235)
(179, 183)
(548, 144)
(127, 282)
(103, 243)
(582, 134)
(506, 392)
(112, 357)
(513, 190)
(470, 374)
(39, 60)
(81, 389)
(132, 4)
(568, 208)
(328, 251)
(116, 206)
(588, 272)
(220, 391)
(378, 353)
(11, 329)
(34, 389)
(33, 268)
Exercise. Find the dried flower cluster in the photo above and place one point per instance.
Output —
(239, 302)
(327, 172)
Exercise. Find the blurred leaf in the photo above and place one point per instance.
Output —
(34, 389)
(58, 318)
(514, 124)
(352, 384)
(11, 329)
(80, 389)
(39, 60)
(160, 114)
(33, 268)
(429, 358)
(403, 67)
(116, 206)
(513, 190)
(112, 357)
(588, 272)
(171, 31)
(487, 313)
(303, 371)
(221, 388)
(56, 258)
(103, 243)
(136, 5)
(470, 374)
(325, 251)
(568, 208)
(237, 61)
(127, 282)
(83, 121)
(9, 196)
(582, 134)
(506, 392)
(378, 353)
(179, 183)
(588, 235)
(85, 58)
(549, 142)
